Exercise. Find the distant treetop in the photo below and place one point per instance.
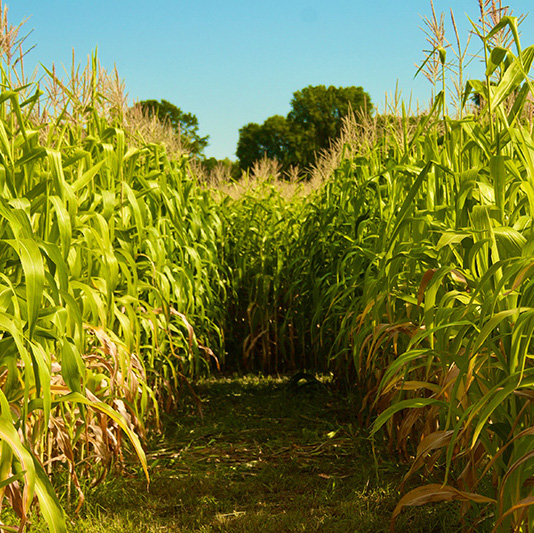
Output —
(185, 125)
(315, 119)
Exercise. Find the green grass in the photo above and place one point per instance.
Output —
(263, 458)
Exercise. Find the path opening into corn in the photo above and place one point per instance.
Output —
(266, 457)
(403, 265)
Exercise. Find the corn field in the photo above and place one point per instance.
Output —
(407, 273)
(109, 253)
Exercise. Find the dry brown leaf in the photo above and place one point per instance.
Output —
(434, 441)
(458, 276)
(519, 278)
(427, 277)
(190, 330)
(435, 492)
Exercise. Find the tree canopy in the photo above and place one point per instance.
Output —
(273, 139)
(314, 120)
(184, 124)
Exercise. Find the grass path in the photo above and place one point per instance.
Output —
(264, 458)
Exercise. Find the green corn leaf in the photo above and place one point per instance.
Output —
(41, 371)
(512, 23)
(9, 435)
(413, 403)
(513, 77)
(64, 224)
(408, 202)
(498, 176)
(451, 237)
(48, 502)
(87, 176)
(72, 366)
(485, 408)
(32, 265)
(491, 325)
(37, 152)
(495, 59)
(12, 479)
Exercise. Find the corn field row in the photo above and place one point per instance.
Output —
(109, 253)
(407, 274)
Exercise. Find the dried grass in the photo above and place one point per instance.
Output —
(491, 13)
(265, 172)
(362, 133)
(217, 176)
(144, 128)
(12, 49)
(73, 95)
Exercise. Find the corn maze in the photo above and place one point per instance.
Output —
(408, 274)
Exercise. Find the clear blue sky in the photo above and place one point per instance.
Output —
(233, 62)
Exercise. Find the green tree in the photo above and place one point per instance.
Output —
(184, 124)
(315, 119)
(273, 139)
(317, 114)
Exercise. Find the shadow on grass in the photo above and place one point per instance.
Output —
(264, 458)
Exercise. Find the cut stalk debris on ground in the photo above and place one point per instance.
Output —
(266, 456)
(404, 272)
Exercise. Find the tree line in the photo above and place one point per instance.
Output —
(315, 119)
